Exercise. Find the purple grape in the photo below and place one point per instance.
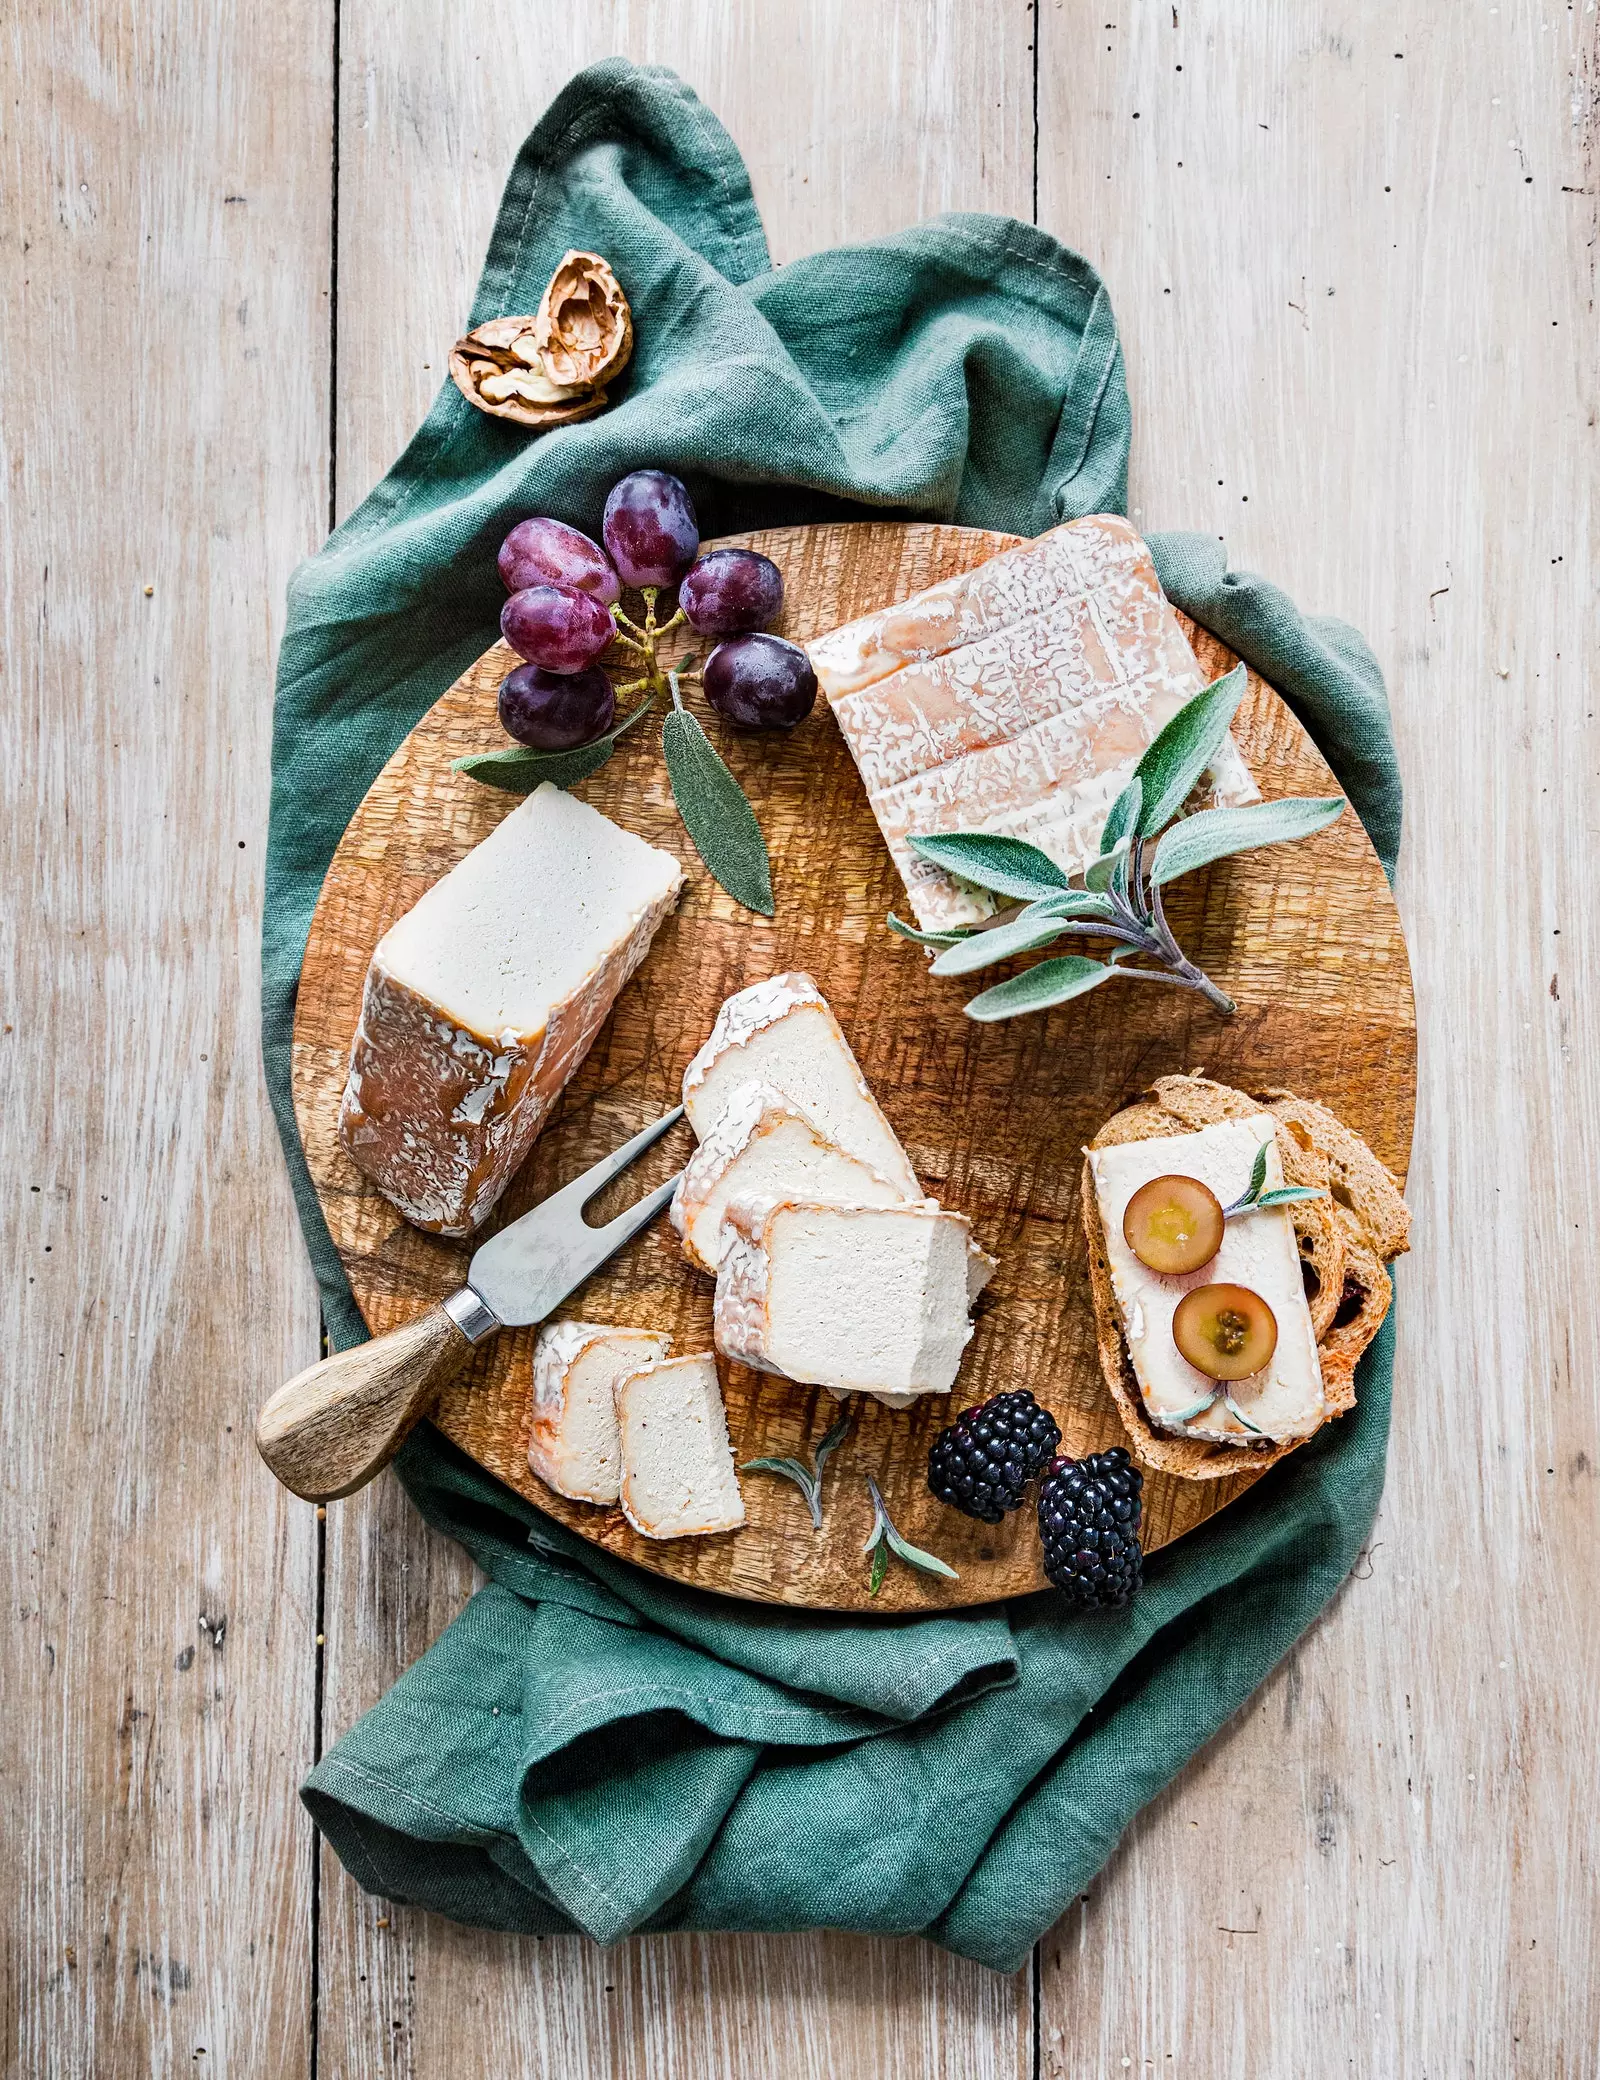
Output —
(650, 530)
(760, 682)
(548, 552)
(556, 711)
(553, 626)
(731, 590)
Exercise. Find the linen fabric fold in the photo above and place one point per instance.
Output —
(588, 1746)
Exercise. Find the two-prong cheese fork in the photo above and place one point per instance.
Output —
(328, 1430)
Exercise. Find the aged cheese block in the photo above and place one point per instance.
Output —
(782, 1032)
(483, 999)
(678, 1477)
(764, 1146)
(573, 1446)
(1017, 699)
(859, 1299)
(1285, 1399)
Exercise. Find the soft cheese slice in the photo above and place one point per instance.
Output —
(764, 1146)
(861, 1299)
(781, 1032)
(574, 1446)
(678, 1477)
(1285, 1399)
(1029, 720)
(483, 999)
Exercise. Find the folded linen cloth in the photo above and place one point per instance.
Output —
(586, 1745)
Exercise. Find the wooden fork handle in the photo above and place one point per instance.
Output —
(328, 1430)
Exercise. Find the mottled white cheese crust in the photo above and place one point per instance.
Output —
(573, 1446)
(1285, 1399)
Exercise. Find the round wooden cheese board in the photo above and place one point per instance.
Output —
(1304, 937)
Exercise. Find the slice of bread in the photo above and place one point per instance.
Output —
(1344, 1242)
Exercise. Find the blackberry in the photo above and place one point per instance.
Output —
(982, 1463)
(1089, 1513)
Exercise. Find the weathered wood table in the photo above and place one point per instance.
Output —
(1352, 251)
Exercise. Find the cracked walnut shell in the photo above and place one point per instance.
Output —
(548, 370)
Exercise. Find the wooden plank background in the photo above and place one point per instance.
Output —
(1352, 251)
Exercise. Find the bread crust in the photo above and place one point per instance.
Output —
(1344, 1242)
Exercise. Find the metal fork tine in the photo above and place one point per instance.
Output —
(571, 1199)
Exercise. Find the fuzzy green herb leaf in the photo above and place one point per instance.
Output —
(1006, 866)
(1291, 1195)
(808, 1479)
(1175, 759)
(1100, 873)
(884, 1540)
(909, 931)
(880, 1566)
(716, 814)
(1024, 934)
(1216, 833)
(1039, 989)
(520, 770)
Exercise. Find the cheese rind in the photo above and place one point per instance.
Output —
(573, 1445)
(763, 1144)
(1021, 709)
(859, 1299)
(781, 1032)
(678, 1475)
(1286, 1398)
(482, 1000)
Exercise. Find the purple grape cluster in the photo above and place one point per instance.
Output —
(563, 587)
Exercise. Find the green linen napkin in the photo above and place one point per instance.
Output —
(588, 1746)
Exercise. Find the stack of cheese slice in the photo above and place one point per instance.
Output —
(615, 1419)
(483, 999)
(831, 1266)
(1017, 698)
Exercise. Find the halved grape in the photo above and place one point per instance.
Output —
(548, 552)
(555, 626)
(1173, 1224)
(1226, 1332)
(650, 531)
(731, 590)
(556, 711)
(760, 682)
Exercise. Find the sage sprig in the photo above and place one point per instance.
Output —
(884, 1540)
(1119, 895)
(715, 809)
(1253, 1197)
(808, 1479)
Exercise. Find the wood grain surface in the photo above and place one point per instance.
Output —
(1351, 252)
(1305, 938)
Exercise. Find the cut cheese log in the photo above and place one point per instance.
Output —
(576, 1366)
(1283, 1400)
(1017, 699)
(483, 999)
(781, 1032)
(764, 1146)
(862, 1299)
(678, 1477)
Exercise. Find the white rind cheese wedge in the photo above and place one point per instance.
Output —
(764, 1146)
(1285, 1399)
(861, 1299)
(483, 999)
(781, 1032)
(678, 1476)
(1016, 699)
(574, 1447)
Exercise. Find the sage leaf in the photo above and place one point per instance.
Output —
(1007, 866)
(914, 1556)
(716, 814)
(909, 931)
(831, 1440)
(1099, 873)
(1021, 935)
(1052, 982)
(1175, 759)
(1258, 1173)
(1073, 903)
(1234, 1409)
(1124, 814)
(1215, 833)
(792, 1470)
(1291, 1195)
(880, 1567)
(884, 1540)
(520, 769)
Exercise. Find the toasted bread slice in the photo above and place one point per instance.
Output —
(1344, 1242)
